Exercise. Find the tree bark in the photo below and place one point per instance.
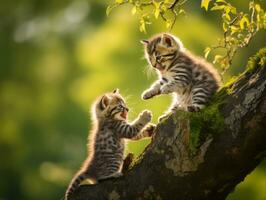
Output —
(167, 169)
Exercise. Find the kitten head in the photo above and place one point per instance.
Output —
(111, 105)
(161, 49)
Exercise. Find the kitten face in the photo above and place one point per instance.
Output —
(161, 49)
(112, 105)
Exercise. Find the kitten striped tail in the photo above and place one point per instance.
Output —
(75, 184)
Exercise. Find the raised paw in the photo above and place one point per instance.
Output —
(148, 94)
(149, 130)
(145, 116)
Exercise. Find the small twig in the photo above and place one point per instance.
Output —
(173, 5)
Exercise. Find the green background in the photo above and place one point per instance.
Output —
(56, 57)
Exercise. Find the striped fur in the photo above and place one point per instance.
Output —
(191, 79)
(106, 142)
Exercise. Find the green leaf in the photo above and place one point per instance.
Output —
(134, 10)
(221, 1)
(206, 52)
(181, 11)
(157, 9)
(205, 4)
(244, 21)
(142, 27)
(119, 1)
(233, 10)
(257, 8)
(216, 7)
(217, 59)
(234, 29)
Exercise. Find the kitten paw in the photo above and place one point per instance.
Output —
(148, 95)
(149, 130)
(193, 108)
(145, 116)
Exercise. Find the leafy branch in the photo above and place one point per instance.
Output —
(167, 10)
(239, 29)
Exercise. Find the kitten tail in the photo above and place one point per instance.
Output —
(79, 178)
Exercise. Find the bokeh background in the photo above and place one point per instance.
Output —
(56, 57)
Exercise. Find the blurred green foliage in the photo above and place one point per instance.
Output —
(56, 57)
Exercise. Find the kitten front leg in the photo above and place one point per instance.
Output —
(168, 88)
(131, 130)
(152, 91)
(172, 86)
(148, 131)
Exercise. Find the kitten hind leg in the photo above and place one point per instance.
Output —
(199, 99)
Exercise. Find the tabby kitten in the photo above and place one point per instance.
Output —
(106, 142)
(191, 79)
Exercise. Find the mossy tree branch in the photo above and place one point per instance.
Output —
(226, 153)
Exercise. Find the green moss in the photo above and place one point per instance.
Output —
(256, 61)
(210, 120)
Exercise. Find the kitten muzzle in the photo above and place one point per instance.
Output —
(124, 113)
(159, 66)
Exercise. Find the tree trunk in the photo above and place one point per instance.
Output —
(232, 142)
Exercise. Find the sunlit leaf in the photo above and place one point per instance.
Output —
(216, 7)
(233, 10)
(234, 29)
(119, 1)
(217, 59)
(257, 8)
(157, 9)
(134, 10)
(206, 52)
(205, 4)
(221, 1)
(244, 21)
(181, 11)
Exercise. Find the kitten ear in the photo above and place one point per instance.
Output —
(104, 102)
(116, 91)
(168, 40)
(145, 42)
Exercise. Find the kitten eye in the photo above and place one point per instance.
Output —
(158, 57)
(120, 106)
(167, 55)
